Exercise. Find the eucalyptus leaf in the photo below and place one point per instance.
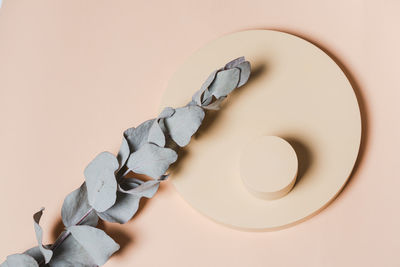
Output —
(36, 254)
(184, 123)
(245, 70)
(221, 82)
(156, 133)
(207, 98)
(151, 160)
(198, 97)
(131, 190)
(123, 153)
(215, 105)
(166, 112)
(137, 187)
(71, 254)
(76, 206)
(234, 63)
(47, 253)
(225, 82)
(19, 260)
(96, 242)
(137, 137)
(243, 66)
(101, 182)
(123, 210)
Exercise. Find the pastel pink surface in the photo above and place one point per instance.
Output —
(75, 74)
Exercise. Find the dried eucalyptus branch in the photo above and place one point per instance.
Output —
(106, 193)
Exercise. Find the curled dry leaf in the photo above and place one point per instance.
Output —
(76, 206)
(135, 186)
(101, 183)
(47, 253)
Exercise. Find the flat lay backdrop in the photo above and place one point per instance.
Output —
(74, 74)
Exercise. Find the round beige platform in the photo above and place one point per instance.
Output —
(268, 167)
(295, 92)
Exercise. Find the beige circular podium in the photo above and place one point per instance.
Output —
(296, 92)
(268, 167)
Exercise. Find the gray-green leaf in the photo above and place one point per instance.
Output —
(225, 82)
(47, 253)
(138, 187)
(123, 153)
(156, 134)
(245, 71)
(19, 260)
(96, 242)
(215, 105)
(166, 112)
(151, 160)
(127, 204)
(101, 182)
(71, 254)
(137, 137)
(36, 254)
(234, 63)
(198, 97)
(184, 123)
(76, 206)
(221, 82)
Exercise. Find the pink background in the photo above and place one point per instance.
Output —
(74, 74)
